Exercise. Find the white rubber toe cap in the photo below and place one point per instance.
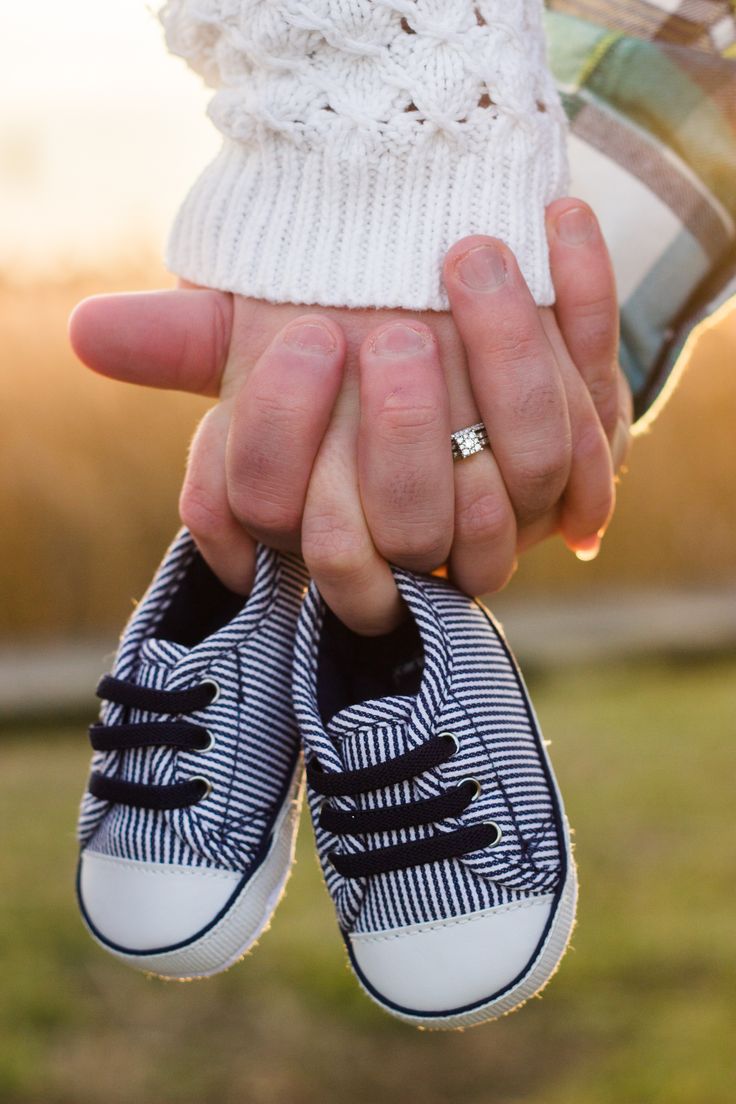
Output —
(448, 965)
(142, 907)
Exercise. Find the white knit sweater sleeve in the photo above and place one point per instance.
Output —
(361, 139)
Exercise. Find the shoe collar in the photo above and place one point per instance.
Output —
(189, 664)
(417, 715)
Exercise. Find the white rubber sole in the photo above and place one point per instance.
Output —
(541, 969)
(248, 916)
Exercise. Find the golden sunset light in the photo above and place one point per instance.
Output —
(101, 133)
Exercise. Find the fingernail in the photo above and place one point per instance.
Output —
(398, 340)
(309, 337)
(587, 550)
(483, 268)
(575, 226)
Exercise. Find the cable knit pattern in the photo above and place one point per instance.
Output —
(362, 138)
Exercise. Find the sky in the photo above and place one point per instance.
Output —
(101, 133)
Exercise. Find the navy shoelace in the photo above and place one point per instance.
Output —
(402, 768)
(148, 734)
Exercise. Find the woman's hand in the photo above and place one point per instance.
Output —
(332, 432)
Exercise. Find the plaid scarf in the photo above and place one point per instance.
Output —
(708, 25)
(650, 89)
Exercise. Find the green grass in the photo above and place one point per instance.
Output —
(643, 1009)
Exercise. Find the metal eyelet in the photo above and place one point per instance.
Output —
(499, 835)
(206, 783)
(208, 746)
(453, 740)
(215, 686)
(477, 788)
(331, 861)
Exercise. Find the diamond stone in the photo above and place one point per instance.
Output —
(468, 441)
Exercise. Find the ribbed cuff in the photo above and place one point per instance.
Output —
(299, 224)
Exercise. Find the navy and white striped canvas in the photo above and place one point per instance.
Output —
(256, 743)
(472, 688)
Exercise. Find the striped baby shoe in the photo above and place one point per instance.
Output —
(188, 824)
(439, 826)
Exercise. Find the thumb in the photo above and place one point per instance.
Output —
(178, 340)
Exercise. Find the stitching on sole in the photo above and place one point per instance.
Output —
(455, 922)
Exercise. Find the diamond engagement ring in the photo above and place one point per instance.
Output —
(466, 442)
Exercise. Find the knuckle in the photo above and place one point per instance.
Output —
(250, 465)
(277, 417)
(275, 424)
(484, 517)
(595, 313)
(539, 404)
(591, 447)
(421, 548)
(333, 550)
(401, 420)
(273, 410)
(409, 491)
(262, 495)
(511, 348)
(595, 342)
(533, 497)
(540, 474)
(203, 515)
(265, 515)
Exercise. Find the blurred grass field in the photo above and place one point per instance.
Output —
(641, 1012)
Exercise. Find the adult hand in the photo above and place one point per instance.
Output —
(557, 433)
(392, 498)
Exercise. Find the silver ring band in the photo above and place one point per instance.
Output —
(466, 442)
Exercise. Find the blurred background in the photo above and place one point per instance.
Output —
(631, 659)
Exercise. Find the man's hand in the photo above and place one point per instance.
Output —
(332, 430)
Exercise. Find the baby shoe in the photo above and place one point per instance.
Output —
(188, 824)
(439, 825)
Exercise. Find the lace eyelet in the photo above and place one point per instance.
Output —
(207, 786)
(453, 740)
(331, 861)
(499, 833)
(217, 689)
(208, 746)
(477, 788)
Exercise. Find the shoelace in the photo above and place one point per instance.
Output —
(147, 734)
(413, 814)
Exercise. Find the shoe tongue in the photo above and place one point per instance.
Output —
(365, 733)
(161, 653)
(366, 714)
